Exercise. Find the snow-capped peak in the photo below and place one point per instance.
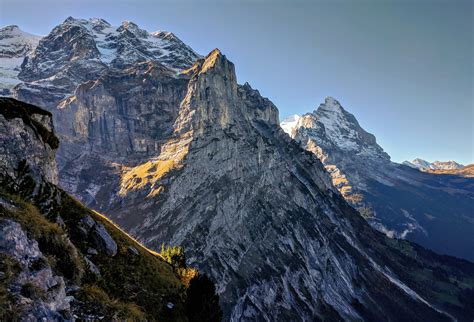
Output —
(15, 44)
(289, 123)
(129, 43)
(330, 125)
(331, 101)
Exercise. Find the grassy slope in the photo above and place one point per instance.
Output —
(131, 286)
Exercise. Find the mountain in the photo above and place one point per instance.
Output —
(467, 171)
(61, 261)
(79, 50)
(15, 44)
(446, 165)
(193, 158)
(421, 164)
(399, 201)
(289, 123)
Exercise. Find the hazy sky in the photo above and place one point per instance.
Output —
(403, 68)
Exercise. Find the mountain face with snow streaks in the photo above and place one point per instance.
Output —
(79, 50)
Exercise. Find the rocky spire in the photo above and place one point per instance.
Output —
(216, 100)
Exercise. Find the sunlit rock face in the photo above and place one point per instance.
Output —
(193, 158)
(113, 123)
(434, 211)
(337, 139)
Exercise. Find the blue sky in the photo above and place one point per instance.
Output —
(403, 68)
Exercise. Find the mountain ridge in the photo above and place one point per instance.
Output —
(395, 199)
(423, 165)
(87, 49)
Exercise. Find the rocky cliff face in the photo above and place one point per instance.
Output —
(396, 200)
(60, 261)
(254, 210)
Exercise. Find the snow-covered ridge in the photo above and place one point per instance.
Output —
(15, 44)
(128, 43)
(421, 164)
(81, 50)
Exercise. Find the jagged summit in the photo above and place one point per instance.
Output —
(340, 129)
(79, 50)
(16, 43)
(212, 59)
(330, 102)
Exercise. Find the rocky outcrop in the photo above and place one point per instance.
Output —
(99, 236)
(27, 137)
(403, 203)
(40, 292)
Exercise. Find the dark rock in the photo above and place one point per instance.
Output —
(92, 251)
(47, 290)
(103, 241)
(92, 267)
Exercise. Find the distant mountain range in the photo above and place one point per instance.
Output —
(437, 165)
(167, 144)
(466, 171)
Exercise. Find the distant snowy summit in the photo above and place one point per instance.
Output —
(331, 127)
(289, 123)
(15, 44)
(421, 164)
